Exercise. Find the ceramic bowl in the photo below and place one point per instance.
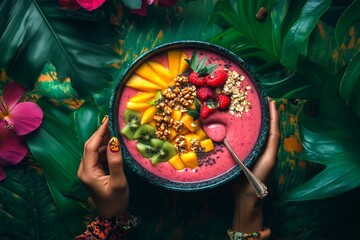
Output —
(221, 165)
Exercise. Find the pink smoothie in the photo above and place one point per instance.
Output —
(241, 132)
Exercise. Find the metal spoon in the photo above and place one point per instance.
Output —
(217, 132)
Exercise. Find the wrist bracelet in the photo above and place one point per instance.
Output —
(260, 235)
(127, 221)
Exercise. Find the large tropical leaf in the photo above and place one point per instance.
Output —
(295, 38)
(57, 146)
(78, 43)
(331, 139)
(27, 209)
(350, 84)
(349, 17)
(264, 44)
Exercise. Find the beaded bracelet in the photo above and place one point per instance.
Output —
(263, 234)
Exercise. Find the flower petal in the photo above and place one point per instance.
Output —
(25, 117)
(2, 174)
(12, 94)
(12, 148)
(90, 4)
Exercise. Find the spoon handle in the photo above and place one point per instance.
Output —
(259, 187)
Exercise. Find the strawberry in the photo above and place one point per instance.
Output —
(217, 78)
(197, 80)
(199, 69)
(224, 101)
(203, 93)
(205, 111)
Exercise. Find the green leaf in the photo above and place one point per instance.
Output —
(58, 146)
(28, 210)
(193, 113)
(56, 90)
(301, 29)
(344, 166)
(332, 138)
(76, 42)
(350, 84)
(348, 17)
(197, 104)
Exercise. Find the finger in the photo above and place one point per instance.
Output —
(267, 160)
(115, 163)
(272, 144)
(80, 169)
(92, 146)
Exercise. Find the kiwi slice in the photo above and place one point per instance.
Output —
(154, 100)
(128, 131)
(132, 120)
(144, 133)
(146, 151)
(166, 152)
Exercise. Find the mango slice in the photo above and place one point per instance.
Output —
(174, 62)
(176, 114)
(161, 70)
(188, 139)
(142, 84)
(172, 134)
(190, 123)
(189, 159)
(142, 97)
(148, 114)
(139, 107)
(148, 73)
(176, 162)
(202, 135)
(207, 144)
(183, 64)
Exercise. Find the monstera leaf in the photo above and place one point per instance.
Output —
(285, 29)
(78, 43)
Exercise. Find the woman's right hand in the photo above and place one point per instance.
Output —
(110, 193)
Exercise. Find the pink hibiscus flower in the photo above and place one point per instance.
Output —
(89, 5)
(16, 119)
(144, 5)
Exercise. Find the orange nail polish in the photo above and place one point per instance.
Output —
(104, 119)
(114, 144)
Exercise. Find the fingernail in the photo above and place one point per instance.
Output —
(104, 119)
(114, 144)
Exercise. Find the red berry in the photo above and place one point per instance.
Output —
(217, 78)
(203, 93)
(224, 101)
(205, 111)
(197, 80)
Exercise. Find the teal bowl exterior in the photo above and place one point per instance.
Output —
(194, 186)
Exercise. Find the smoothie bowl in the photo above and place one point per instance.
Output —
(164, 107)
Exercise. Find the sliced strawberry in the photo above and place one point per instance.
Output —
(197, 80)
(205, 111)
(224, 101)
(217, 78)
(203, 93)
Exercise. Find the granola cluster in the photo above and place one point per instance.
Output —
(233, 87)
